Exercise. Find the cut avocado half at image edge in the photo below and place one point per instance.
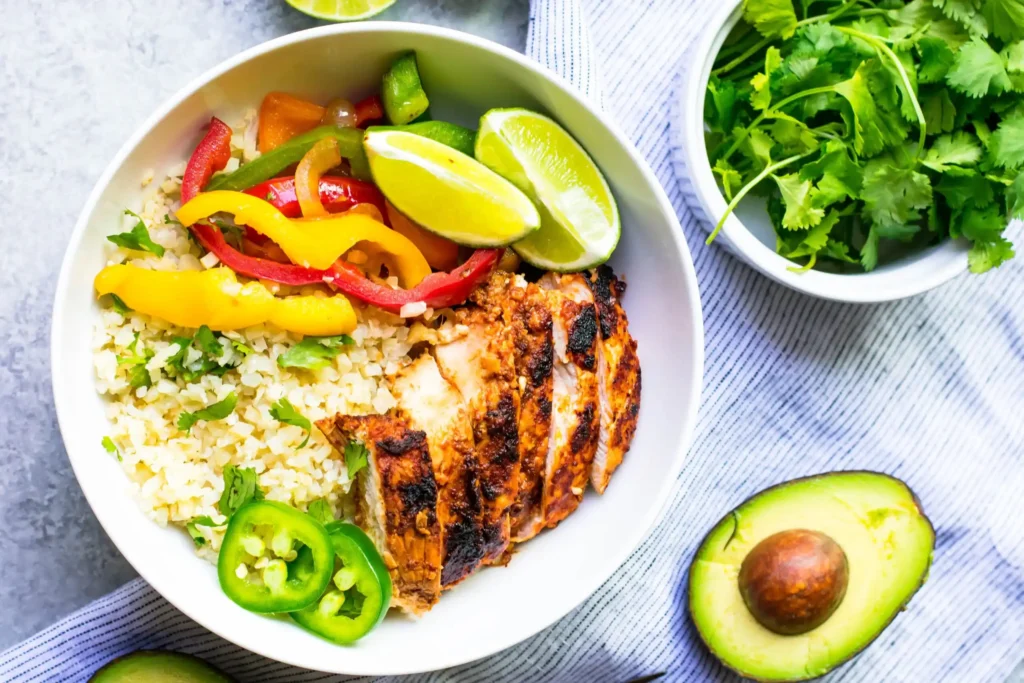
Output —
(159, 666)
(887, 540)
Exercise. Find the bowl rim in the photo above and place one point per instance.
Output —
(576, 592)
(932, 267)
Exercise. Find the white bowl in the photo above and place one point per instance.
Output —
(748, 232)
(550, 575)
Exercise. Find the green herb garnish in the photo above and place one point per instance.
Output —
(193, 531)
(212, 412)
(320, 510)
(138, 239)
(313, 353)
(110, 447)
(138, 375)
(119, 305)
(356, 458)
(873, 129)
(240, 486)
(284, 411)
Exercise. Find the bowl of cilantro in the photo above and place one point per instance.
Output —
(854, 151)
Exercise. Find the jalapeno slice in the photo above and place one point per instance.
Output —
(360, 592)
(274, 558)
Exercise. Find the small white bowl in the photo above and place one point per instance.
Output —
(748, 233)
(551, 574)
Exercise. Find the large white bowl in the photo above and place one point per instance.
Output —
(748, 233)
(550, 575)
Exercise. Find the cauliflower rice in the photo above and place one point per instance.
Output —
(178, 476)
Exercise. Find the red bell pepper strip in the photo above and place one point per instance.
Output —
(337, 194)
(369, 110)
(438, 290)
(211, 155)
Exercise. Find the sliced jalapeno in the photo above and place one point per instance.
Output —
(274, 558)
(402, 91)
(360, 590)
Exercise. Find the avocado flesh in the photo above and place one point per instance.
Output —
(888, 542)
(156, 666)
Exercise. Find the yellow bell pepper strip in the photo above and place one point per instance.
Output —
(215, 298)
(321, 157)
(310, 242)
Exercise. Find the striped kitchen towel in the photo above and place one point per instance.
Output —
(929, 389)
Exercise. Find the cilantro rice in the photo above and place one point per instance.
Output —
(176, 475)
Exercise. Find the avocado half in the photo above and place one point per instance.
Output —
(159, 666)
(775, 556)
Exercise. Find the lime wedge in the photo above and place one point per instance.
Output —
(579, 219)
(341, 10)
(447, 192)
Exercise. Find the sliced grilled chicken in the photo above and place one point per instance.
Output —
(479, 361)
(534, 361)
(397, 497)
(575, 411)
(618, 373)
(432, 404)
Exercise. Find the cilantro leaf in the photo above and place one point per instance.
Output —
(197, 536)
(320, 510)
(138, 375)
(110, 447)
(982, 224)
(1007, 143)
(869, 252)
(138, 239)
(985, 256)
(215, 411)
(816, 238)
(771, 18)
(240, 486)
(207, 342)
(966, 13)
(119, 305)
(936, 60)
(837, 176)
(963, 189)
(356, 458)
(800, 211)
(1006, 17)
(939, 111)
(240, 347)
(313, 353)
(1015, 197)
(961, 149)
(730, 177)
(284, 411)
(762, 96)
(720, 109)
(978, 70)
(893, 195)
(873, 128)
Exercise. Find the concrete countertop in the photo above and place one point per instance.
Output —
(75, 79)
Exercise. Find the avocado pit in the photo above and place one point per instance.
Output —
(794, 580)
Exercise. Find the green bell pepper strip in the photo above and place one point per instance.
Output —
(266, 166)
(286, 585)
(456, 137)
(402, 92)
(361, 592)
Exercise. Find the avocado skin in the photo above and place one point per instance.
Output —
(781, 485)
(159, 666)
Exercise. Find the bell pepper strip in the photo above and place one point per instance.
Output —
(301, 558)
(441, 253)
(215, 298)
(402, 92)
(266, 166)
(321, 157)
(359, 594)
(314, 242)
(337, 194)
(282, 117)
(210, 155)
(455, 136)
(369, 109)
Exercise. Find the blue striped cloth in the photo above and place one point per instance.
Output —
(929, 389)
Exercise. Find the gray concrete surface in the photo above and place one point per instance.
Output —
(76, 77)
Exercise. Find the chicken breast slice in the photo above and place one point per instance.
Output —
(618, 374)
(397, 506)
(575, 409)
(534, 362)
(479, 361)
(432, 404)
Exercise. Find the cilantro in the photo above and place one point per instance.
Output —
(865, 124)
(138, 239)
(207, 342)
(240, 347)
(320, 510)
(110, 447)
(241, 485)
(313, 353)
(138, 375)
(215, 411)
(284, 411)
(356, 458)
(210, 350)
(119, 305)
(193, 531)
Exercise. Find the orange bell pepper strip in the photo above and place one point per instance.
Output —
(282, 117)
